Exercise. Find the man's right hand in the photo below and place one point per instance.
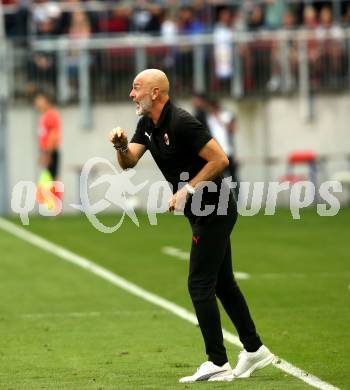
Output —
(128, 154)
(118, 137)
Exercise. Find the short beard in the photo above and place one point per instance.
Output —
(145, 106)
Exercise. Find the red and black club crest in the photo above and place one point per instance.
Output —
(166, 139)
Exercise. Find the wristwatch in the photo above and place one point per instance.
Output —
(121, 148)
(191, 190)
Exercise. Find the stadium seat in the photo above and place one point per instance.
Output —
(301, 157)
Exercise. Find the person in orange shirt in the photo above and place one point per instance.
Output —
(49, 133)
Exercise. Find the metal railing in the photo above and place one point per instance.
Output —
(246, 65)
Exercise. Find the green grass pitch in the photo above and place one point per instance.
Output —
(62, 327)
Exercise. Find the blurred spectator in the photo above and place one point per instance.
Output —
(239, 20)
(256, 54)
(67, 15)
(155, 23)
(80, 28)
(49, 133)
(78, 31)
(331, 50)
(204, 12)
(289, 20)
(168, 28)
(65, 19)
(42, 65)
(223, 46)
(310, 22)
(146, 18)
(16, 23)
(46, 15)
(162, 57)
(188, 23)
(346, 18)
(326, 28)
(274, 11)
(256, 18)
(289, 23)
(222, 125)
(117, 21)
(276, 57)
(49, 151)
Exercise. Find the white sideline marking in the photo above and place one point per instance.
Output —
(176, 252)
(132, 288)
(241, 275)
(84, 314)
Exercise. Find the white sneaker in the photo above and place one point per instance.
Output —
(208, 371)
(248, 362)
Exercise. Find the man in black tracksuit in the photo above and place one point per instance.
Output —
(184, 150)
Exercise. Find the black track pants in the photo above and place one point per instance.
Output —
(211, 276)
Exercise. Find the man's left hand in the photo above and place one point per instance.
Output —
(178, 200)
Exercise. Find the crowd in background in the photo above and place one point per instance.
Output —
(261, 61)
(51, 18)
